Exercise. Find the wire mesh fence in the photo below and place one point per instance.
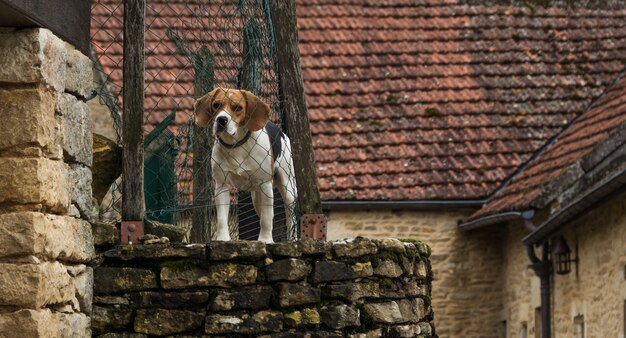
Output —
(192, 47)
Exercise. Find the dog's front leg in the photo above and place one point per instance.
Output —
(265, 197)
(222, 204)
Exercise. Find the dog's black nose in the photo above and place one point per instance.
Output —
(221, 122)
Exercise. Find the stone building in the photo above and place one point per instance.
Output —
(46, 243)
(565, 215)
(420, 112)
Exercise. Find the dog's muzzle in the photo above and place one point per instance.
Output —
(221, 123)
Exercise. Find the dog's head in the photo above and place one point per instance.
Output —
(232, 111)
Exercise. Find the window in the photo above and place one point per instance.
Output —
(523, 332)
(503, 333)
(538, 322)
(579, 326)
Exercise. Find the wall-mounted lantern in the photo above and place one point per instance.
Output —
(561, 255)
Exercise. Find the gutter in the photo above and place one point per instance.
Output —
(498, 218)
(331, 205)
(558, 220)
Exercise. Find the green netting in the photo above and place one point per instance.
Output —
(192, 46)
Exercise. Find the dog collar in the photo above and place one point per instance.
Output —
(234, 145)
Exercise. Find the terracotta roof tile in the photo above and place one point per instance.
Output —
(559, 162)
(411, 99)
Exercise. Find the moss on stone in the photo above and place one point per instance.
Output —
(386, 282)
(180, 265)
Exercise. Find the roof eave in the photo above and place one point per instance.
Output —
(502, 217)
(331, 205)
(560, 219)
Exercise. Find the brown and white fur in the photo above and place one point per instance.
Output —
(247, 164)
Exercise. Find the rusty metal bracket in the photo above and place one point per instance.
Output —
(130, 232)
(313, 226)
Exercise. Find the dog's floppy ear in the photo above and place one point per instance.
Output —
(203, 108)
(257, 111)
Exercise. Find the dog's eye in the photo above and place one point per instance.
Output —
(237, 108)
(216, 105)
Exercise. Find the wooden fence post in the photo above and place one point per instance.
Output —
(133, 204)
(283, 15)
(202, 191)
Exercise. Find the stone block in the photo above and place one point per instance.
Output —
(246, 250)
(118, 280)
(33, 56)
(156, 251)
(75, 130)
(377, 333)
(412, 310)
(254, 297)
(80, 191)
(314, 333)
(354, 247)
(296, 294)
(340, 316)
(105, 319)
(352, 292)
(162, 322)
(56, 237)
(291, 269)
(122, 335)
(362, 270)
(174, 233)
(111, 300)
(171, 300)
(44, 323)
(35, 181)
(285, 249)
(28, 117)
(78, 73)
(403, 331)
(311, 246)
(83, 284)
(395, 288)
(304, 317)
(392, 245)
(420, 270)
(328, 271)
(384, 313)
(35, 285)
(264, 321)
(105, 234)
(223, 275)
(388, 268)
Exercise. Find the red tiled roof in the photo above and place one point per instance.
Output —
(560, 164)
(418, 100)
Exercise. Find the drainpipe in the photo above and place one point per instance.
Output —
(543, 269)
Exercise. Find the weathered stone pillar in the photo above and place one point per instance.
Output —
(46, 242)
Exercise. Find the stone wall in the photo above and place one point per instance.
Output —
(601, 237)
(361, 288)
(45, 186)
(466, 266)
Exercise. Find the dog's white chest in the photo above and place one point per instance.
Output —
(245, 168)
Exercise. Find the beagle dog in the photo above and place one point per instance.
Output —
(249, 153)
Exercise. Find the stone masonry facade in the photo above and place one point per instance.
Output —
(359, 288)
(577, 305)
(46, 243)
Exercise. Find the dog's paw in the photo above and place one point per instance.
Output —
(266, 239)
(223, 237)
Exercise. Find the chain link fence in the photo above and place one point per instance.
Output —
(192, 46)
